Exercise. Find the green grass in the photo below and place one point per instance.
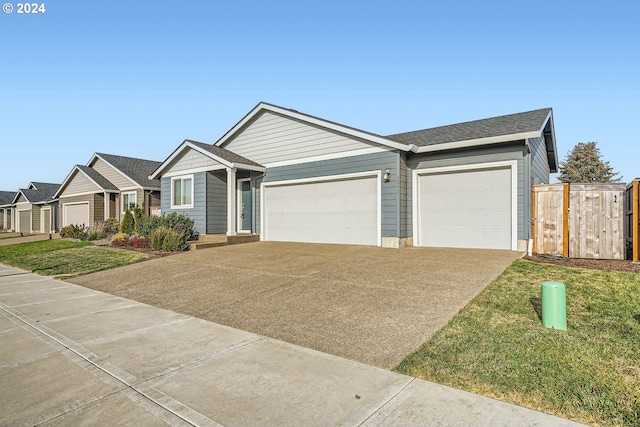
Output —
(66, 258)
(498, 347)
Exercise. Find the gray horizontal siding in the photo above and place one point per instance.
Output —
(190, 159)
(495, 153)
(80, 184)
(199, 211)
(369, 162)
(275, 138)
(539, 162)
(112, 175)
(216, 202)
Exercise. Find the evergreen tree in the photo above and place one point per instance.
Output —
(128, 223)
(584, 164)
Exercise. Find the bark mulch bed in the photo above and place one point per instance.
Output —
(593, 264)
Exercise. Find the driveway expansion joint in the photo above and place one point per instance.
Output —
(74, 351)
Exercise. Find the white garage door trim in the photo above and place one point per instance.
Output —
(64, 212)
(43, 213)
(374, 174)
(513, 164)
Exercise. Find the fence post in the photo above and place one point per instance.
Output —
(565, 220)
(635, 219)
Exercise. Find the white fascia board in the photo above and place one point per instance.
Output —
(193, 170)
(180, 149)
(332, 156)
(241, 166)
(68, 178)
(17, 197)
(313, 120)
(475, 142)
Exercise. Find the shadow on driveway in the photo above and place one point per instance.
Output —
(368, 304)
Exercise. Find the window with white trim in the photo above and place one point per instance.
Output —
(182, 192)
(128, 201)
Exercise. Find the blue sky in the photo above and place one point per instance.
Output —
(136, 78)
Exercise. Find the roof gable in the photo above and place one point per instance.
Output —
(216, 155)
(93, 176)
(316, 121)
(44, 193)
(134, 169)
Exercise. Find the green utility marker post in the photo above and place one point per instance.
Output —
(554, 305)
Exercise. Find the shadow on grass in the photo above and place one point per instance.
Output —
(537, 306)
(637, 317)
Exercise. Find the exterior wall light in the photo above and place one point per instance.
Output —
(387, 175)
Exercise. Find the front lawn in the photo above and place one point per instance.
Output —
(498, 347)
(66, 258)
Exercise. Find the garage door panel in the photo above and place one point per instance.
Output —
(76, 214)
(467, 209)
(340, 211)
(24, 217)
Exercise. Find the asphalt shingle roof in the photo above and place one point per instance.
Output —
(44, 192)
(136, 169)
(103, 182)
(6, 197)
(496, 126)
(224, 153)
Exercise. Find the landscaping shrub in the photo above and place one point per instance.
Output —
(111, 226)
(175, 242)
(147, 224)
(119, 240)
(74, 231)
(158, 237)
(168, 240)
(138, 214)
(180, 223)
(128, 224)
(140, 242)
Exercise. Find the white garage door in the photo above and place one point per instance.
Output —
(77, 214)
(465, 209)
(338, 211)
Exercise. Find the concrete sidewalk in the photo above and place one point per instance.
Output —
(75, 356)
(14, 238)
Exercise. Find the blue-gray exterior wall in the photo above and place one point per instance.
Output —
(487, 154)
(539, 163)
(216, 202)
(390, 193)
(199, 211)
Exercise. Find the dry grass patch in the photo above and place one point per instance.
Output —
(498, 347)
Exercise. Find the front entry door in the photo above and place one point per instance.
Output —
(245, 206)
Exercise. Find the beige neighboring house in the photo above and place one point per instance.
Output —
(36, 208)
(106, 187)
(6, 210)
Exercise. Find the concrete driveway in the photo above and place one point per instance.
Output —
(371, 305)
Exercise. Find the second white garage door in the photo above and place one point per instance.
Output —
(329, 211)
(466, 209)
(77, 214)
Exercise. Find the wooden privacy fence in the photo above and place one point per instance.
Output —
(579, 220)
(632, 220)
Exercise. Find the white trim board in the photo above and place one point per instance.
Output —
(512, 164)
(375, 174)
(344, 154)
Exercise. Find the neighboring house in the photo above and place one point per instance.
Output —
(6, 210)
(36, 208)
(289, 176)
(106, 187)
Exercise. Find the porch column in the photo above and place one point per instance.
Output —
(106, 205)
(231, 201)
